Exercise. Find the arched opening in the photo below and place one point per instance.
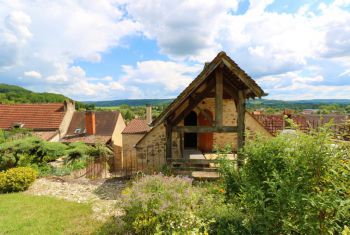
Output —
(205, 140)
(190, 139)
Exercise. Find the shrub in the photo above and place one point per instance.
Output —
(77, 151)
(27, 151)
(293, 184)
(17, 179)
(156, 204)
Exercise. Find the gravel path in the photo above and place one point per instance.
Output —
(101, 194)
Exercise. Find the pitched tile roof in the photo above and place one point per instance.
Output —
(33, 116)
(105, 123)
(275, 123)
(136, 126)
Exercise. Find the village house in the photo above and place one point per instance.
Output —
(210, 112)
(93, 127)
(47, 121)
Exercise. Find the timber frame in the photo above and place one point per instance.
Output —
(221, 78)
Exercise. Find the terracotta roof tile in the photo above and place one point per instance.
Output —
(33, 116)
(136, 126)
(275, 123)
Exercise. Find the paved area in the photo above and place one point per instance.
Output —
(103, 194)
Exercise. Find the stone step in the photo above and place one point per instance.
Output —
(205, 175)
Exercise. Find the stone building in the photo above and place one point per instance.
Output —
(210, 113)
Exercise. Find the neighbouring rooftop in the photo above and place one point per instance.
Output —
(32, 116)
(136, 126)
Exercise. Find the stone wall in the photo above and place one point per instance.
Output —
(150, 150)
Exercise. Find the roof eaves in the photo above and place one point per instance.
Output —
(191, 87)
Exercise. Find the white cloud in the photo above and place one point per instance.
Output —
(278, 42)
(295, 86)
(276, 48)
(184, 29)
(49, 36)
(32, 74)
(170, 75)
(74, 82)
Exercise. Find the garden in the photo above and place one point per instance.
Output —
(294, 183)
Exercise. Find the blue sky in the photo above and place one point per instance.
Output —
(126, 49)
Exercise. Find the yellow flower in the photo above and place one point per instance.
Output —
(222, 190)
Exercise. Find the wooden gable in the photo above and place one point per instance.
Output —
(234, 79)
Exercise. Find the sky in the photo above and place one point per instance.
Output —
(136, 49)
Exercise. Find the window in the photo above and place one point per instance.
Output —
(17, 125)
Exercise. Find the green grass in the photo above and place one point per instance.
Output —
(26, 214)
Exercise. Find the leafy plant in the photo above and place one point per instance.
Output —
(27, 151)
(17, 179)
(292, 184)
(157, 203)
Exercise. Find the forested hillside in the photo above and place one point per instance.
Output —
(10, 94)
(129, 102)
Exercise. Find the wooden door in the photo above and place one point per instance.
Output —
(205, 140)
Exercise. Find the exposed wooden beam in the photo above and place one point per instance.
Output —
(205, 129)
(205, 114)
(194, 101)
(168, 136)
(243, 77)
(219, 91)
(230, 88)
(240, 123)
(182, 143)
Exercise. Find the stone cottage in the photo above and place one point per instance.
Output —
(210, 112)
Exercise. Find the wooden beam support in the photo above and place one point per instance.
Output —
(197, 98)
(168, 136)
(219, 92)
(205, 129)
(206, 115)
(241, 123)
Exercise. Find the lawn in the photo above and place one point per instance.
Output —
(26, 214)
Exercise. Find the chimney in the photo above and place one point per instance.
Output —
(90, 123)
(69, 105)
(149, 114)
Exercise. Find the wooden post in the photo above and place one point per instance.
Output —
(168, 136)
(240, 124)
(182, 144)
(219, 90)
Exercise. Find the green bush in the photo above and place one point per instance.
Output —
(156, 204)
(27, 151)
(293, 184)
(17, 179)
